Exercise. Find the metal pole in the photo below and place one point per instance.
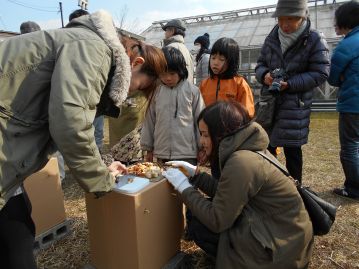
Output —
(62, 17)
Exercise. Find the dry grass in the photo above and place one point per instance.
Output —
(322, 171)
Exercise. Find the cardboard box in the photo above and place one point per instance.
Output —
(46, 196)
(135, 231)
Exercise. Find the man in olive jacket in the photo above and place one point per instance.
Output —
(50, 84)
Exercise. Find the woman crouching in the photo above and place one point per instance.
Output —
(254, 217)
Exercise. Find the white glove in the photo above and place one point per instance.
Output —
(177, 179)
(189, 168)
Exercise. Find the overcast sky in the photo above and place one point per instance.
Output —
(139, 14)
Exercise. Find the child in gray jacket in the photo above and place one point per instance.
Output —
(170, 131)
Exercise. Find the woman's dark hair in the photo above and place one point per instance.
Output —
(229, 48)
(346, 16)
(175, 62)
(223, 118)
(77, 13)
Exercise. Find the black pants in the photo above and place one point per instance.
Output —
(17, 234)
(293, 160)
(201, 235)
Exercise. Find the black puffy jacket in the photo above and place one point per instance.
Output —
(306, 64)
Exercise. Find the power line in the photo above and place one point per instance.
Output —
(32, 7)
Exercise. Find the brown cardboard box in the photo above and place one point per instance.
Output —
(46, 196)
(135, 231)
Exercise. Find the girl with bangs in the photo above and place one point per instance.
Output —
(224, 82)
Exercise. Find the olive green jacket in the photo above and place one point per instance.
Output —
(132, 115)
(50, 84)
(256, 209)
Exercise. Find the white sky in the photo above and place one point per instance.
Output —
(139, 14)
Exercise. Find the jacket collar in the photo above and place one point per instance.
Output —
(101, 22)
(252, 137)
(173, 39)
(354, 31)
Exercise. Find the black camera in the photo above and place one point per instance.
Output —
(278, 76)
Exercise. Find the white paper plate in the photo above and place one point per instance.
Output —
(137, 184)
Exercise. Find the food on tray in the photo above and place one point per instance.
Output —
(130, 180)
(145, 169)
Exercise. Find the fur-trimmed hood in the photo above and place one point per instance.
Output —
(101, 22)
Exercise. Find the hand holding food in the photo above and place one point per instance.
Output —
(186, 168)
(177, 179)
(117, 168)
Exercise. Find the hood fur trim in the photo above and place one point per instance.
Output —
(120, 84)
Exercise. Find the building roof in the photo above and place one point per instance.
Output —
(249, 27)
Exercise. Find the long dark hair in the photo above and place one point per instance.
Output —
(223, 118)
(229, 48)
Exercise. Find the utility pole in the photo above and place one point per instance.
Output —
(62, 17)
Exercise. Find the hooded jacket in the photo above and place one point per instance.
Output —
(306, 64)
(256, 209)
(170, 127)
(177, 41)
(50, 84)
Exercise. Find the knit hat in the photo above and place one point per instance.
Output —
(28, 27)
(175, 23)
(203, 40)
(294, 8)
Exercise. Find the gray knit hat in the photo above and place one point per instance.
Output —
(295, 8)
(175, 23)
(28, 27)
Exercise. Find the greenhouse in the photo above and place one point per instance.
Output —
(249, 27)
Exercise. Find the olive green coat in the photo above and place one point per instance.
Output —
(257, 210)
(50, 84)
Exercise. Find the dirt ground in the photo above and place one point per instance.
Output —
(322, 172)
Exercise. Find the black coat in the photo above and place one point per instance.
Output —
(306, 64)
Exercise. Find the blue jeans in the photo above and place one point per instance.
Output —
(98, 124)
(349, 150)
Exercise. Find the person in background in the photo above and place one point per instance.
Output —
(51, 104)
(344, 73)
(28, 27)
(297, 56)
(224, 82)
(202, 51)
(174, 37)
(169, 131)
(125, 131)
(253, 216)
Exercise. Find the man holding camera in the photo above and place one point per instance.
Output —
(294, 60)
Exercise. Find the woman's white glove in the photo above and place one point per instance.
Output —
(189, 168)
(177, 179)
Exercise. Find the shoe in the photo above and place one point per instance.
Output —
(343, 193)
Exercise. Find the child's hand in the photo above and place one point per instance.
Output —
(149, 156)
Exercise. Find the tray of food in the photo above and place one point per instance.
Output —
(150, 170)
